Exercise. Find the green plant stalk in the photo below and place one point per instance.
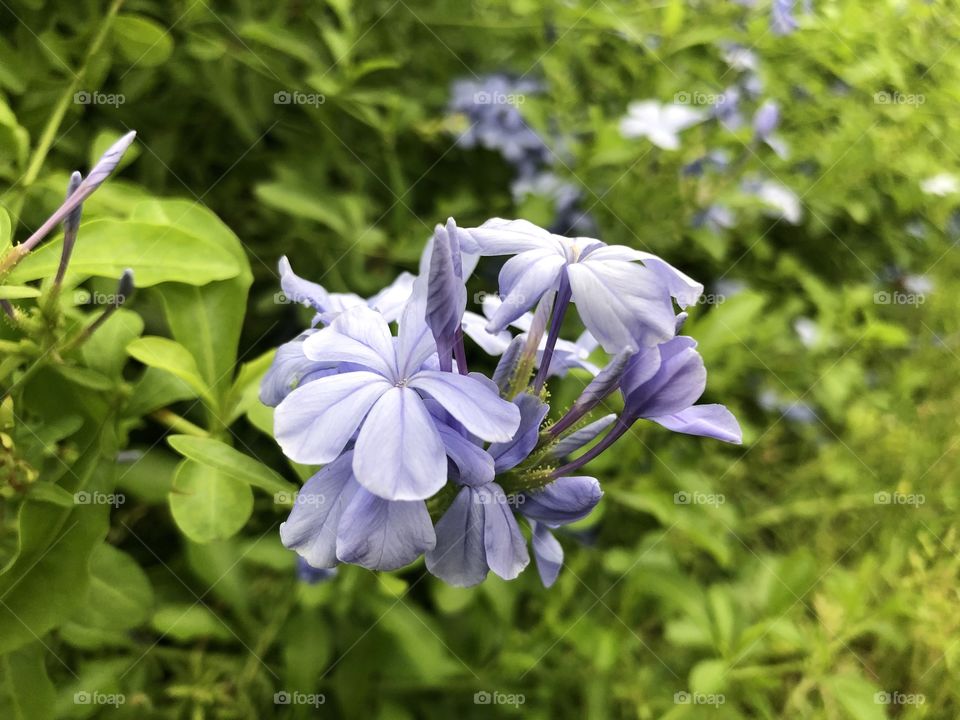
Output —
(49, 133)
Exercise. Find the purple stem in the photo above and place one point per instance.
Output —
(71, 225)
(559, 311)
(616, 432)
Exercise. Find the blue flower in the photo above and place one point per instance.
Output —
(378, 396)
(622, 303)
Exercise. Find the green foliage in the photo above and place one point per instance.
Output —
(141, 493)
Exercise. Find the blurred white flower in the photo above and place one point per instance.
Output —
(942, 185)
(778, 197)
(659, 123)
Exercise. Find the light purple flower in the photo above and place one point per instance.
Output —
(663, 383)
(621, 302)
(378, 397)
(334, 520)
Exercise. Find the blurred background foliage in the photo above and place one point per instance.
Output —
(777, 578)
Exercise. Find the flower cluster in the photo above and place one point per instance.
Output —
(421, 455)
(491, 109)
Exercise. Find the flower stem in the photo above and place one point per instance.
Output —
(559, 311)
(616, 432)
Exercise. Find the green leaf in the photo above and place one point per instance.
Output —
(6, 231)
(17, 292)
(39, 588)
(207, 321)
(105, 351)
(119, 598)
(26, 692)
(156, 252)
(169, 355)
(142, 41)
(84, 376)
(857, 697)
(185, 623)
(231, 463)
(208, 504)
(154, 390)
(708, 677)
(48, 492)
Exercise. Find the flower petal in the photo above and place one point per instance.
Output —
(288, 368)
(459, 557)
(563, 501)
(713, 421)
(358, 335)
(677, 384)
(390, 301)
(399, 455)
(475, 328)
(509, 237)
(503, 542)
(513, 452)
(415, 342)
(474, 463)
(383, 535)
(301, 291)
(622, 304)
(478, 408)
(314, 422)
(524, 279)
(311, 528)
(547, 552)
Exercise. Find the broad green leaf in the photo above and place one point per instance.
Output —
(857, 697)
(105, 351)
(154, 390)
(48, 492)
(85, 377)
(708, 677)
(186, 622)
(142, 41)
(207, 504)
(156, 252)
(246, 388)
(205, 320)
(231, 463)
(171, 356)
(26, 692)
(119, 598)
(148, 475)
